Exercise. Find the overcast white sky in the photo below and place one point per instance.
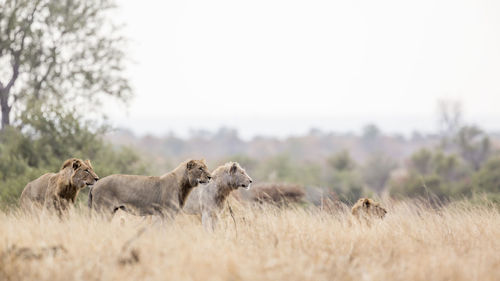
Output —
(278, 67)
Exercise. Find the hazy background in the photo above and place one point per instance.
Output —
(281, 67)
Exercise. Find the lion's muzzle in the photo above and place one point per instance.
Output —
(246, 186)
(203, 181)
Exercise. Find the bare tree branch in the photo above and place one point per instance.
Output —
(38, 82)
(17, 54)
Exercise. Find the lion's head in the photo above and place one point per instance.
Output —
(366, 207)
(82, 172)
(239, 177)
(233, 175)
(197, 172)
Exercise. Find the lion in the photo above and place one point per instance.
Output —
(57, 191)
(366, 209)
(148, 195)
(278, 194)
(208, 200)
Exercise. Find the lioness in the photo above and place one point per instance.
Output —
(143, 195)
(367, 208)
(58, 190)
(208, 200)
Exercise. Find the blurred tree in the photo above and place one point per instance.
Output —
(421, 161)
(469, 141)
(449, 167)
(344, 178)
(377, 170)
(281, 168)
(229, 139)
(58, 52)
(433, 174)
(474, 145)
(370, 132)
(450, 120)
(341, 161)
(487, 179)
(371, 138)
(425, 186)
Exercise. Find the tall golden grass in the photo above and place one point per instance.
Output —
(414, 242)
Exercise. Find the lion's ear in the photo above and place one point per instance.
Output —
(233, 169)
(366, 203)
(191, 164)
(76, 164)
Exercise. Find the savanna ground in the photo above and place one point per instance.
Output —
(414, 242)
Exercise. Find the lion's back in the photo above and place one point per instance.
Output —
(34, 192)
(117, 189)
(120, 183)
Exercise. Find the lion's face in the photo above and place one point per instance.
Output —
(239, 177)
(197, 172)
(83, 174)
(369, 208)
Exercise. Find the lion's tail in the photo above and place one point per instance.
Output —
(90, 197)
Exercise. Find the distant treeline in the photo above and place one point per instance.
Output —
(445, 165)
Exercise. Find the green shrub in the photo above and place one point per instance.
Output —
(487, 179)
(44, 141)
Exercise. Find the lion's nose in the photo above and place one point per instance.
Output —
(96, 179)
(251, 180)
(209, 177)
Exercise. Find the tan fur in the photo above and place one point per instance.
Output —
(208, 200)
(367, 209)
(57, 191)
(279, 194)
(33, 196)
(143, 195)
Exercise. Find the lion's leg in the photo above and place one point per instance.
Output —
(166, 215)
(50, 203)
(108, 212)
(104, 207)
(65, 206)
(54, 204)
(208, 221)
(166, 211)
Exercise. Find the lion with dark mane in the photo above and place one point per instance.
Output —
(56, 191)
(143, 195)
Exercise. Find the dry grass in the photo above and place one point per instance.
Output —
(459, 242)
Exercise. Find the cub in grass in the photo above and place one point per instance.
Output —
(367, 209)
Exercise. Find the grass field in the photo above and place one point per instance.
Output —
(414, 242)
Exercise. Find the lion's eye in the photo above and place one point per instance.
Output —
(201, 169)
(87, 171)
